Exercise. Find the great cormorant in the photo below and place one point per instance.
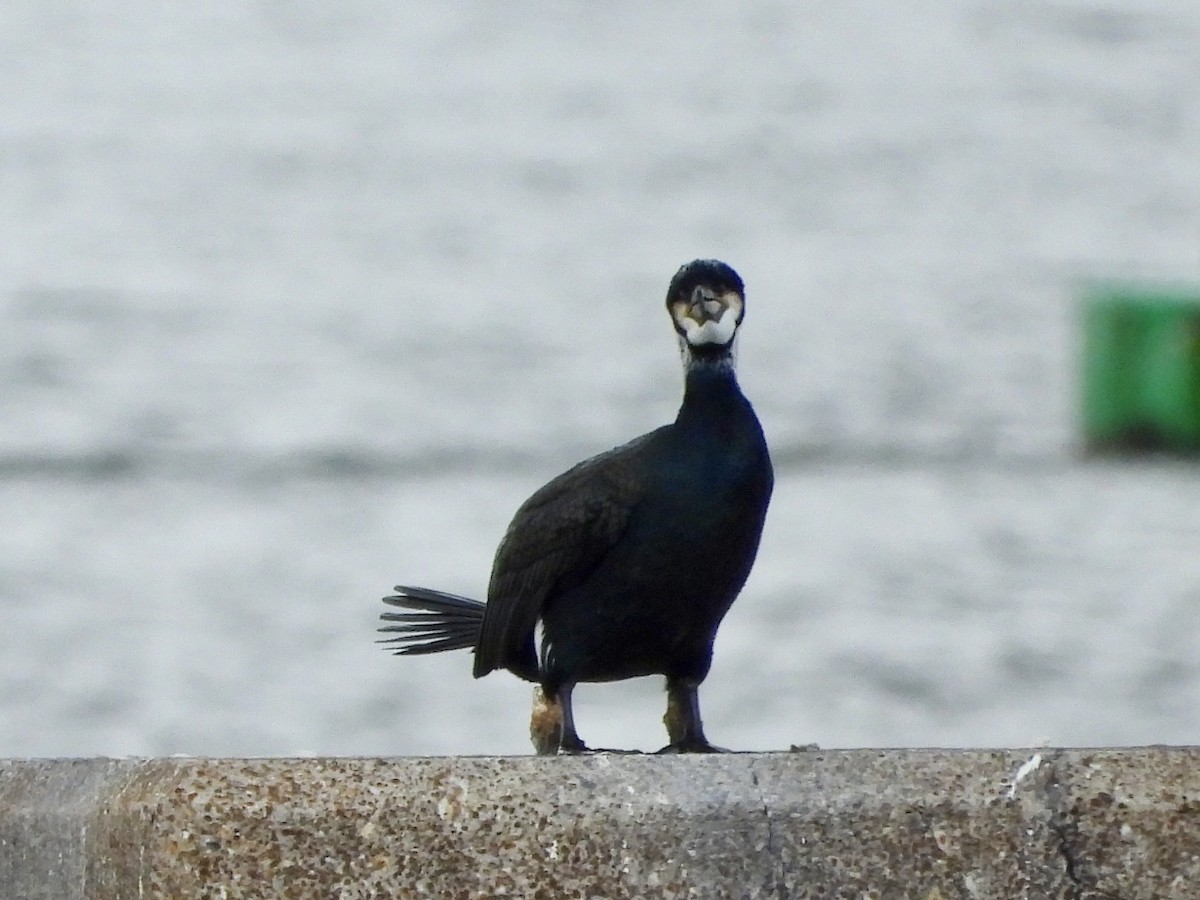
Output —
(627, 562)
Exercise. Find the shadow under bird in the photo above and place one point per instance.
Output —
(626, 563)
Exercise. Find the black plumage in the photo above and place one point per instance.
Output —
(629, 560)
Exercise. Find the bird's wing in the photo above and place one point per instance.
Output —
(556, 539)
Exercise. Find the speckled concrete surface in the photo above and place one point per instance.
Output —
(828, 824)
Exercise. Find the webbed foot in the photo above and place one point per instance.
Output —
(692, 746)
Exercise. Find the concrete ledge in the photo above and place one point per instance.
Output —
(823, 824)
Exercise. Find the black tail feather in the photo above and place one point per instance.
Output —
(432, 621)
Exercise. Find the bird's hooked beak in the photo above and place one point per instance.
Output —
(708, 317)
(706, 306)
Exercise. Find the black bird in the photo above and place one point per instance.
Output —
(628, 561)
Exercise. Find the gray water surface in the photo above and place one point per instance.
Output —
(299, 302)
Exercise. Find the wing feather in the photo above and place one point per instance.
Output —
(555, 541)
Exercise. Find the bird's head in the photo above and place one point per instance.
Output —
(707, 301)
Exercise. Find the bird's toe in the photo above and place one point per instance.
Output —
(692, 746)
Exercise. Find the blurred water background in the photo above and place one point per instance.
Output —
(300, 300)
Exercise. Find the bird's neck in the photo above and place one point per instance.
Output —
(710, 383)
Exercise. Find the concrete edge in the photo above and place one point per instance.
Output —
(846, 823)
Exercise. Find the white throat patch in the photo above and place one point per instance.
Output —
(714, 331)
(707, 319)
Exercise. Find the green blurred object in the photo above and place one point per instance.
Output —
(1141, 378)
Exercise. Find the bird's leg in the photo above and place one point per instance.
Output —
(569, 740)
(552, 726)
(684, 728)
